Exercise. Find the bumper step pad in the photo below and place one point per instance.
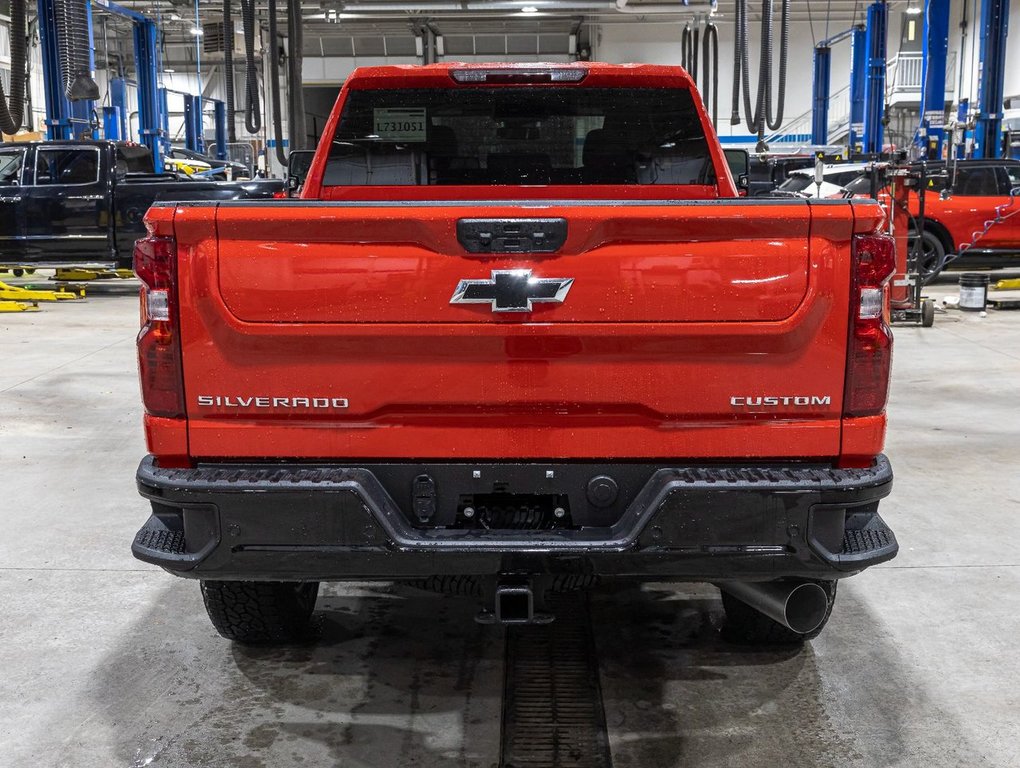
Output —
(166, 541)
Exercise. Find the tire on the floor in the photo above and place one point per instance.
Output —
(261, 612)
(747, 626)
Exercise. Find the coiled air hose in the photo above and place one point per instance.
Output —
(12, 114)
(296, 104)
(252, 112)
(761, 116)
(274, 84)
(710, 70)
(73, 43)
(228, 69)
(708, 82)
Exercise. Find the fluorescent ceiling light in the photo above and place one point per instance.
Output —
(529, 9)
(196, 31)
(913, 10)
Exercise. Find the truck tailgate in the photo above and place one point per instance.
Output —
(691, 329)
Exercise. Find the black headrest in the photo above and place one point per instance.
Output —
(600, 146)
(442, 141)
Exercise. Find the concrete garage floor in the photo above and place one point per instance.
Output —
(107, 662)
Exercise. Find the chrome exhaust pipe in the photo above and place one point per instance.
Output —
(800, 607)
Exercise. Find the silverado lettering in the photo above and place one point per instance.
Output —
(238, 401)
(505, 442)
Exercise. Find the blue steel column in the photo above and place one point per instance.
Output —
(118, 97)
(190, 139)
(111, 124)
(874, 91)
(81, 111)
(58, 108)
(149, 131)
(193, 128)
(994, 28)
(936, 41)
(858, 79)
(820, 91)
(220, 119)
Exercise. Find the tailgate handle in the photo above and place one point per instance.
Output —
(511, 235)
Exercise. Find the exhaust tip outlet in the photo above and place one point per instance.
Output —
(806, 607)
(800, 607)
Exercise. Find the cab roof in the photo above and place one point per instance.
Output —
(587, 73)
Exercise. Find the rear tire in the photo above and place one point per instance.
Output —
(747, 626)
(261, 612)
(932, 258)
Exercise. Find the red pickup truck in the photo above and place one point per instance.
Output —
(970, 214)
(519, 335)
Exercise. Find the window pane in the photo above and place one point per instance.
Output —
(519, 135)
(976, 182)
(66, 166)
(10, 166)
(1013, 173)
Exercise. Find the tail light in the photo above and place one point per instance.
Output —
(869, 354)
(159, 341)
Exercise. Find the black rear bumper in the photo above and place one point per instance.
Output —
(698, 523)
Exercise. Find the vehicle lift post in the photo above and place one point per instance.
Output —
(64, 119)
(193, 123)
(932, 132)
(820, 86)
(119, 99)
(858, 79)
(994, 27)
(220, 122)
(874, 91)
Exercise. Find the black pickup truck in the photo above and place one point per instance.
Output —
(83, 201)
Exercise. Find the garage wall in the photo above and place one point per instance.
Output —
(658, 42)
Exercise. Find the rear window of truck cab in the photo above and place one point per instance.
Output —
(542, 135)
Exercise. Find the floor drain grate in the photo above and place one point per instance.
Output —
(552, 701)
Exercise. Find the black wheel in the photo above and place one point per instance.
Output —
(261, 612)
(747, 626)
(932, 258)
(18, 272)
(29, 271)
(927, 313)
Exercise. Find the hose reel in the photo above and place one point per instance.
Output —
(252, 110)
(12, 114)
(707, 76)
(73, 42)
(761, 116)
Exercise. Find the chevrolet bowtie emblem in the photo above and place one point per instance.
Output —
(512, 290)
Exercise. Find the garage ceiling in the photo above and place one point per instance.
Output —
(340, 19)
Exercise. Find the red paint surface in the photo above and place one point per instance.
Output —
(674, 311)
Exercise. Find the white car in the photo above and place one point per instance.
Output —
(801, 182)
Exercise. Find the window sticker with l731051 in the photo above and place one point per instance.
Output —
(400, 123)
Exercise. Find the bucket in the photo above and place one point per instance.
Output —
(973, 291)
